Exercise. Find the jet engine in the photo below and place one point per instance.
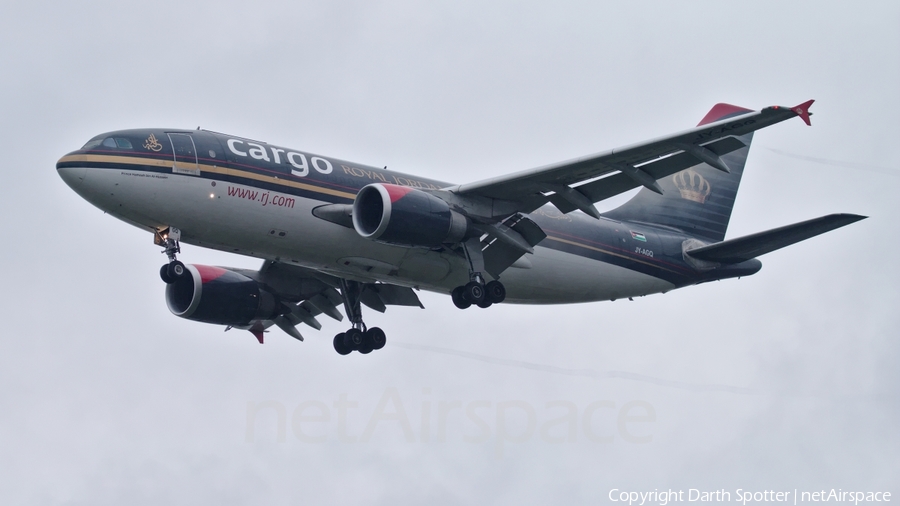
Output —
(402, 215)
(220, 296)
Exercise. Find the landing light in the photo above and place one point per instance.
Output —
(212, 196)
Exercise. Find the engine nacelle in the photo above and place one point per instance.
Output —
(216, 295)
(402, 215)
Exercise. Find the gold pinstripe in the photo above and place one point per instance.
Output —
(580, 245)
(215, 169)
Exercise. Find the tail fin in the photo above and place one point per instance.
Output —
(697, 200)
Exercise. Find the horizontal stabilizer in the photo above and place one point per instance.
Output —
(750, 246)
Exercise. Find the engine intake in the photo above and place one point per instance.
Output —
(402, 215)
(220, 296)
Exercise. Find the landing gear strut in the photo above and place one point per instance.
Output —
(168, 239)
(358, 337)
(476, 291)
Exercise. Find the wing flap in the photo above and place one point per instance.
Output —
(371, 299)
(500, 254)
(394, 295)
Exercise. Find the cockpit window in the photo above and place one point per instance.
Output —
(109, 142)
(93, 143)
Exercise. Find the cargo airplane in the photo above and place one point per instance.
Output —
(337, 234)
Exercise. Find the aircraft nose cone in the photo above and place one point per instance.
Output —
(73, 176)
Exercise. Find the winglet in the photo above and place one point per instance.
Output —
(258, 334)
(802, 110)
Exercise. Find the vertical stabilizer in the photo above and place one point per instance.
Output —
(697, 200)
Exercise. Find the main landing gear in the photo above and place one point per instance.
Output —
(476, 291)
(168, 239)
(479, 294)
(359, 337)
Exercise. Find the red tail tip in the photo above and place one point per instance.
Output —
(802, 110)
(258, 334)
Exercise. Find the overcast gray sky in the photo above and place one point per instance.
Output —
(784, 380)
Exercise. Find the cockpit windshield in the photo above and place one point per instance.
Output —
(108, 142)
(93, 143)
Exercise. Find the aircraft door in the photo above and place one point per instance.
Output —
(185, 153)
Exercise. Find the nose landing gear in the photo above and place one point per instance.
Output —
(168, 239)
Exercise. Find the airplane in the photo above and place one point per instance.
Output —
(333, 233)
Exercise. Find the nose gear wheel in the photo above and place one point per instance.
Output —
(169, 240)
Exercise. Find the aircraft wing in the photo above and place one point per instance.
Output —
(307, 293)
(578, 183)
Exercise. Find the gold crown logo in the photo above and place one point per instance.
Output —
(692, 186)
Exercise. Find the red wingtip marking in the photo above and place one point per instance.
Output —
(719, 111)
(802, 110)
(258, 334)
